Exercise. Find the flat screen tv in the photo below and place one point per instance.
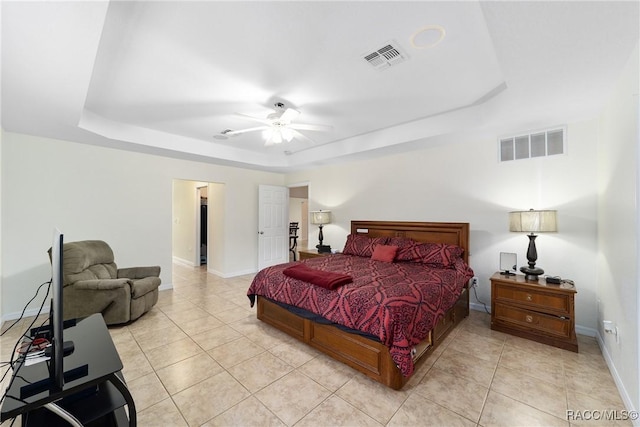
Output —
(54, 332)
(59, 348)
(56, 319)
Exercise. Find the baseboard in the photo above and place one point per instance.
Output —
(479, 307)
(626, 399)
(232, 274)
(165, 286)
(27, 313)
(583, 330)
(183, 261)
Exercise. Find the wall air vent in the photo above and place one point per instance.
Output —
(388, 55)
(535, 144)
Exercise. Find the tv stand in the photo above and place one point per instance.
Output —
(94, 390)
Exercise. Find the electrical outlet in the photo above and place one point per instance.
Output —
(474, 282)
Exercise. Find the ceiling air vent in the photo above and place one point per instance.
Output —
(386, 56)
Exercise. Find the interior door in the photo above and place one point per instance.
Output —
(273, 225)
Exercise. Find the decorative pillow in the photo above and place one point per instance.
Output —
(404, 245)
(385, 253)
(436, 254)
(360, 245)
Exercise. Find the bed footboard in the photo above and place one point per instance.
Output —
(367, 356)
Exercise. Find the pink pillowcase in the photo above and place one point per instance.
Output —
(385, 253)
(360, 245)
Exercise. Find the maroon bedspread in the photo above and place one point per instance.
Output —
(397, 302)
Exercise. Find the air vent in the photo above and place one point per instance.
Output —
(535, 144)
(386, 56)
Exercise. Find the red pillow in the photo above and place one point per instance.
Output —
(385, 253)
(360, 245)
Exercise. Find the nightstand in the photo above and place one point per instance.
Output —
(311, 253)
(536, 310)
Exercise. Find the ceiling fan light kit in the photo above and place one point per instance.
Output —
(277, 127)
(277, 135)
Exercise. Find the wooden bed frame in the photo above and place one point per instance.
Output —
(368, 356)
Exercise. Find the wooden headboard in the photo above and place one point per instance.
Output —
(456, 233)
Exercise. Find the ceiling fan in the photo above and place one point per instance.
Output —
(277, 127)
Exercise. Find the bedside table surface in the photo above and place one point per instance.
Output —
(540, 283)
(311, 253)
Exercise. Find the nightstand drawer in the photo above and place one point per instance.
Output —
(527, 320)
(533, 298)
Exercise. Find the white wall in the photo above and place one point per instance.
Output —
(463, 182)
(295, 211)
(1, 174)
(121, 197)
(184, 221)
(216, 253)
(618, 230)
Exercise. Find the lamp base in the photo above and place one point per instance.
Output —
(531, 273)
(507, 273)
(323, 249)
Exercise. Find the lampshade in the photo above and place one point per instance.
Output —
(320, 217)
(533, 221)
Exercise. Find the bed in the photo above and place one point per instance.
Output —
(392, 315)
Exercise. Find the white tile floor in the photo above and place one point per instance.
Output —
(200, 357)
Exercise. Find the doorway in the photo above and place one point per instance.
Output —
(198, 224)
(202, 221)
(299, 213)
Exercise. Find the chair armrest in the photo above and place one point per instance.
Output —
(140, 287)
(139, 272)
(101, 284)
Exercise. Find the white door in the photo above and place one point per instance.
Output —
(273, 225)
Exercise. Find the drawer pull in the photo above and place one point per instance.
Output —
(528, 318)
(529, 297)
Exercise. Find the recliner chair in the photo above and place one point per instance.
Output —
(94, 284)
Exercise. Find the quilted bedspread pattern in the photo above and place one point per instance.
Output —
(397, 302)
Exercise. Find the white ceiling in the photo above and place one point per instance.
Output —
(166, 77)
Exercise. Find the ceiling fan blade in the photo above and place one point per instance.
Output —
(302, 136)
(308, 126)
(270, 142)
(255, 119)
(241, 131)
(288, 115)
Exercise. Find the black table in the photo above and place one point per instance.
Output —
(94, 389)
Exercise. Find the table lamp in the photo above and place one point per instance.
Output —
(320, 218)
(532, 221)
